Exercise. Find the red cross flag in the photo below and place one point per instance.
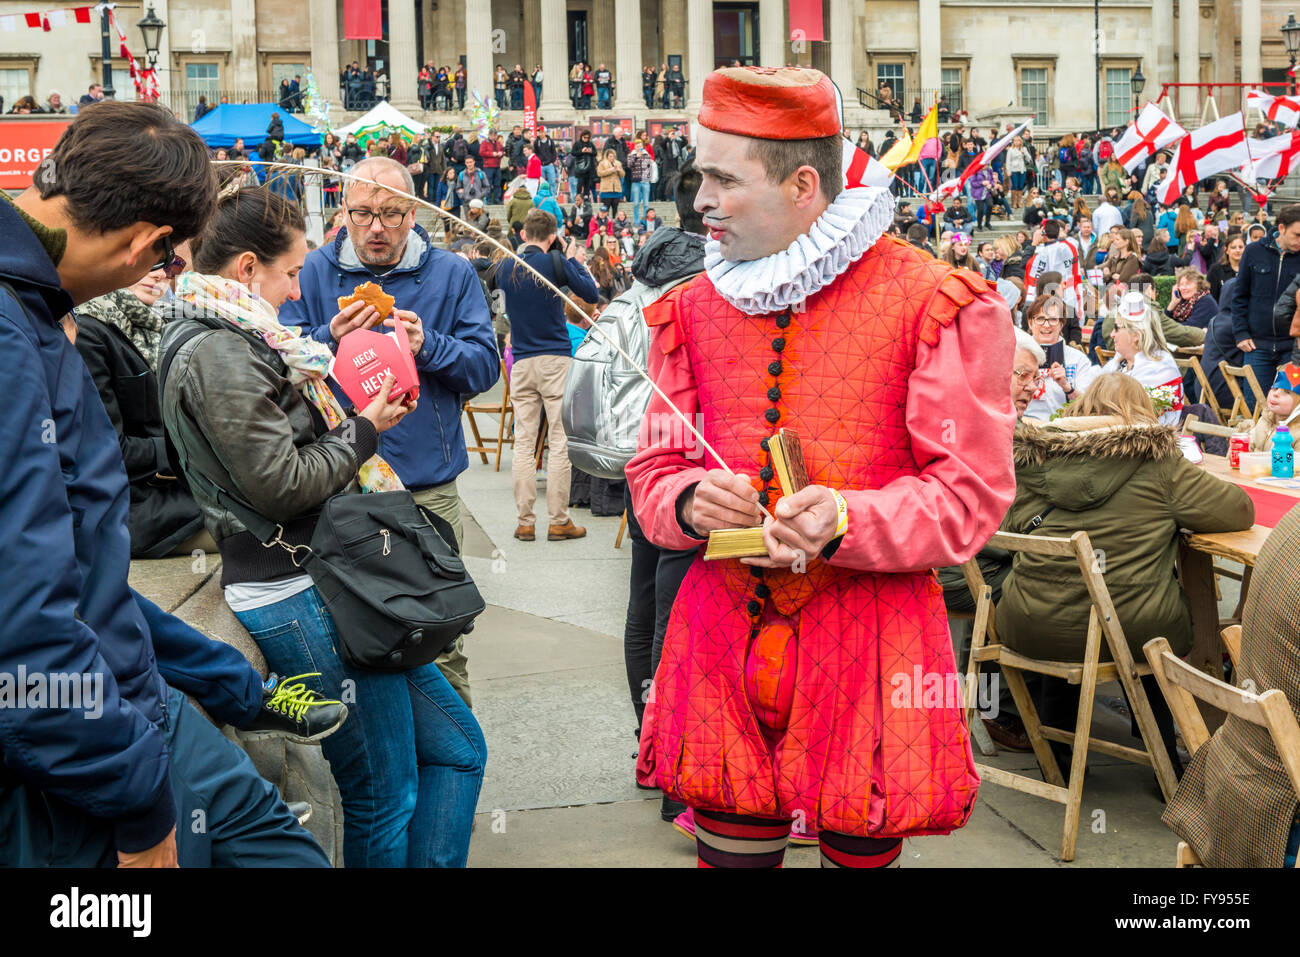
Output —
(863, 170)
(1214, 148)
(1272, 158)
(1281, 109)
(953, 186)
(1152, 131)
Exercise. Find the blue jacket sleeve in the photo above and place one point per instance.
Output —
(105, 757)
(1241, 299)
(466, 360)
(580, 281)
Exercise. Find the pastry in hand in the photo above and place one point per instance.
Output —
(372, 295)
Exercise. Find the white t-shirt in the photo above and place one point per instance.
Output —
(1049, 397)
(1104, 217)
(245, 596)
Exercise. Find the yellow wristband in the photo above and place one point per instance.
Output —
(842, 509)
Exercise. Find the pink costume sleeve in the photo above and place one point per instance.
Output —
(669, 459)
(960, 418)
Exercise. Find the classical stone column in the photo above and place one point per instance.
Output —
(403, 65)
(243, 45)
(840, 35)
(555, 60)
(771, 33)
(1162, 32)
(325, 47)
(931, 54)
(627, 72)
(699, 44)
(532, 42)
(1189, 56)
(478, 49)
(1251, 72)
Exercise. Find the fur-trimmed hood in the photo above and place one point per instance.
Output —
(1079, 463)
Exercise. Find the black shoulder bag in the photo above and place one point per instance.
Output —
(387, 569)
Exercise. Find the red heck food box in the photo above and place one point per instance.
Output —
(365, 357)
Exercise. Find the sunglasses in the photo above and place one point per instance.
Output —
(171, 264)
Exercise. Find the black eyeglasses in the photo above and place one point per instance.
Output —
(170, 264)
(388, 218)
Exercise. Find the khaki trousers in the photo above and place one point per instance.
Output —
(537, 383)
(444, 501)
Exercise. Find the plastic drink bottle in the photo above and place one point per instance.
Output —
(1283, 454)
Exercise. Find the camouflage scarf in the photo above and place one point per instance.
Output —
(138, 322)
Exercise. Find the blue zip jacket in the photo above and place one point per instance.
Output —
(1263, 275)
(537, 323)
(65, 551)
(459, 355)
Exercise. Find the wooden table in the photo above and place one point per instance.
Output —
(1196, 561)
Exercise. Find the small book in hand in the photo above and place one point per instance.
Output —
(789, 471)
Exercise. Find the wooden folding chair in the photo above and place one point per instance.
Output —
(982, 618)
(505, 413)
(1105, 355)
(1194, 426)
(622, 530)
(1103, 625)
(1235, 375)
(1232, 641)
(1207, 394)
(1183, 685)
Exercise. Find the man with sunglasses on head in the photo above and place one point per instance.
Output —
(103, 764)
(435, 290)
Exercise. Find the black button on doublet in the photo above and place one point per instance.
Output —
(766, 473)
(778, 343)
(763, 445)
(763, 498)
(774, 394)
(755, 571)
(753, 607)
(774, 368)
(762, 591)
(772, 415)
(782, 321)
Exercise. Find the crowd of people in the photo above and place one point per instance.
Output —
(207, 323)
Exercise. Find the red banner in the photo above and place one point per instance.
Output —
(23, 144)
(362, 20)
(530, 111)
(805, 21)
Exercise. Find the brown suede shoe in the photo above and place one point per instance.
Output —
(1009, 733)
(558, 533)
(526, 533)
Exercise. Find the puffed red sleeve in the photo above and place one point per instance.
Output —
(960, 418)
(668, 459)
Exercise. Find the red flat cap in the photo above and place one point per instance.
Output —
(770, 103)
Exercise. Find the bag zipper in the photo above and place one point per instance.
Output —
(388, 547)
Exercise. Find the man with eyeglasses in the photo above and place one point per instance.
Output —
(437, 290)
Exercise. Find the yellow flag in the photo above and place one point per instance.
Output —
(928, 130)
(894, 158)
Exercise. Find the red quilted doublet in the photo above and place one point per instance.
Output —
(848, 761)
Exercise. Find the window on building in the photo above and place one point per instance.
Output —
(1119, 95)
(123, 85)
(950, 87)
(1033, 92)
(14, 85)
(891, 75)
(201, 79)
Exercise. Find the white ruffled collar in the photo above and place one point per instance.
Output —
(848, 227)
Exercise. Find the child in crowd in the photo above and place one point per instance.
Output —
(1283, 406)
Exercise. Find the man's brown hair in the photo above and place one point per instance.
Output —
(780, 158)
(539, 225)
(122, 163)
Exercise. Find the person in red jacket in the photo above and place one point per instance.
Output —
(798, 686)
(490, 152)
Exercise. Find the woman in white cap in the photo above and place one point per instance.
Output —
(1141, 351)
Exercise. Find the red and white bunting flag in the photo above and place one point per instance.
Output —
(1272, 158)
(1150, 132)
(81, 14)
(863, 170)
(954, 186)
(1214, 148)
(1281, 109)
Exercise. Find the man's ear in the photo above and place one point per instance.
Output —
(142, 238)
(805, 183)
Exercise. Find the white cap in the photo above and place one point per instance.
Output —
(476, 204)
(1133, 308)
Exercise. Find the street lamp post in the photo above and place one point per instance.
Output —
(1291, 34)
(151, 28)
(106, 53)
(1137, 81)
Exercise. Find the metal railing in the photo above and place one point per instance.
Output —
(183, 101)
(908, 96)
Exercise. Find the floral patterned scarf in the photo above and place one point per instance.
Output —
(307, 359)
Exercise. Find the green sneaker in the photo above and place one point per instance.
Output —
(292, 710)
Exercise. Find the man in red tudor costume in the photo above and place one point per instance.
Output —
(815, 686)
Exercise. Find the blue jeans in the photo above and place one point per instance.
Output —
(928, 167)
(517, 98)
(1018, 182)
(494, 184)
(640, 199)
(1265, 359)
(602, 97)
(552, 176)
(227, 815)
(409, 758)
